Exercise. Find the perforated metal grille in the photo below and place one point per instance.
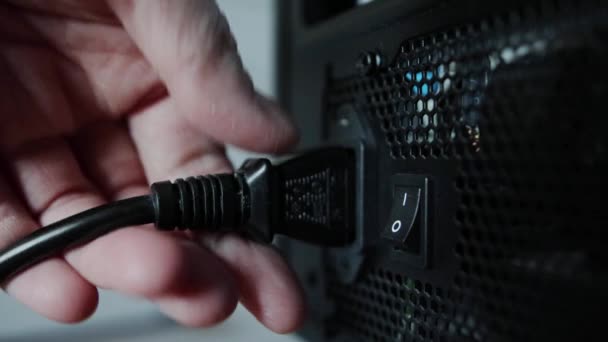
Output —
(429, 100)
(516, 102)
(386, 306)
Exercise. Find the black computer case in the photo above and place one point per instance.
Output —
(492, 114)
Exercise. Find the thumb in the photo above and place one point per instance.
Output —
(190, 46)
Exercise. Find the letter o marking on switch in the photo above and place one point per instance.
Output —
(396, 226)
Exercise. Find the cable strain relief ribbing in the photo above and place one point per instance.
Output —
(212, 202)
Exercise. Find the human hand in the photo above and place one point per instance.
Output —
(101, 98)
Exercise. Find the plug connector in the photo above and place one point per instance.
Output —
(309, 198)
(317, 193)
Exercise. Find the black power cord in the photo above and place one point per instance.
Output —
(309, 198)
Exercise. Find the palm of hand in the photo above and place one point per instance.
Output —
(98, 100)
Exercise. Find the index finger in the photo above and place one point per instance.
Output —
(191, 47)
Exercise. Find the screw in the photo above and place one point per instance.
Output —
(369, 62)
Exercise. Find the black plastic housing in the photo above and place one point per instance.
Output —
(309, 197)
(318, 192)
